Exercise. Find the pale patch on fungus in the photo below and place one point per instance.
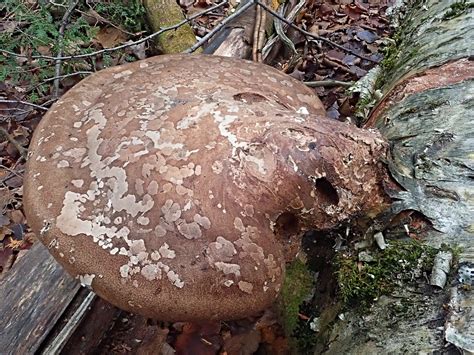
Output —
(76, 153)
(160, 231)
(124, 269)
(302, 110)
(166, 252)
(151, 272)
(249, 210)
(139, 186)
(77, 183)
(227, 268)
(238, 224)
(144, 221)
(189, 230)
(174, 279)
(217, 167)
(122, 74)
(152, 188)
(137, 246)
(181, 190)
(245, 286)
(198, 170)
(171, 211)
(220, 250)
(202, 221)
(86, 279)
(155, 255)
(63, 164)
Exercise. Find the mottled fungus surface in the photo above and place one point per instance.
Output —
(166, 184)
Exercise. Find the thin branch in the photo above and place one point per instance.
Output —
(23, 103)
(277, 23)
(256, 33)
(129, 44)
(57, 64)
(328, 83)
(261, 35)
(59, 77)
(306, 33)
(219, 27)
(23, 151)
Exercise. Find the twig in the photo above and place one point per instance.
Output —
(219, 27)
(331, 63)
(328, 83)
(93, 14)
(23, 152)
(261, 35)
(129, 44)
(256, 33)
(275, 38)
(23, 103)
(57, 66)
(306, 33)
(60, 77)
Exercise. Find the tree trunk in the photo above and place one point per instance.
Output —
(426, 115)
(163, 13)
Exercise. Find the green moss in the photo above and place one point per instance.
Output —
(402, 262)
(128, 13)
(457, 9)
(296, 288)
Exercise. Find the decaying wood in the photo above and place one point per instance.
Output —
(426, 114)
(235, 39)
(163, 13)
(90, 331)
(68, 323)
(34, 294)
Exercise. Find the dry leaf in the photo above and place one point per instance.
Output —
(109, 37)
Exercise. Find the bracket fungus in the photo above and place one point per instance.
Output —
(167, 184)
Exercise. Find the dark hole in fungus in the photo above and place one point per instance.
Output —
(286, 225)
(326, 192)
(249, 97)
(312, 145)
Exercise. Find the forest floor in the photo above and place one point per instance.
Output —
(29, 85)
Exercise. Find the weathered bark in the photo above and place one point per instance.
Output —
(33, 296)
(426, 114)
(235, 39)
(163, 13)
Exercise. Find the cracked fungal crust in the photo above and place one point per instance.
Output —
(159, 183)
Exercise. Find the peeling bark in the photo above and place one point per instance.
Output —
(426, 115)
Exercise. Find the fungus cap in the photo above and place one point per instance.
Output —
(158, 183)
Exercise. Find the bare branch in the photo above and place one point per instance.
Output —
(23, 103)
(108, 50)
(306, 33)
(256, 33)
(328, 83)
(66, 76)
(23, 151)
(216, 29)
(57, 65)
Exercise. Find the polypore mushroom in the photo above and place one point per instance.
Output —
(164, 184)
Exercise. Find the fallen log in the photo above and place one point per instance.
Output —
(34, 294)
(427, 83)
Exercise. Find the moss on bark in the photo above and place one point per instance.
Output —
(164, 13)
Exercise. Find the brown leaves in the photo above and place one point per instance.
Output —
(198, 339)
(109, 37)
(354, 25)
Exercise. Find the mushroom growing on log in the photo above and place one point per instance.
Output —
(167, 184)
